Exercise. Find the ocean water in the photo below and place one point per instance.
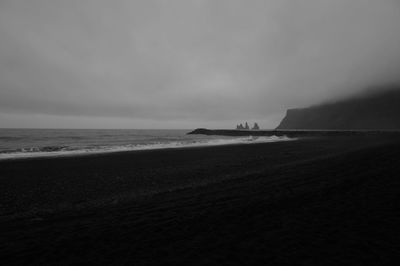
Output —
(23, 143)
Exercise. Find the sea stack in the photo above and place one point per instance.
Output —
(256, 127)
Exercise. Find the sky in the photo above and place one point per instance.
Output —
(186, 63)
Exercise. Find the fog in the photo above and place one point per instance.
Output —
(185, 64)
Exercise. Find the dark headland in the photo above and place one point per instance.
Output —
(373, 112)
(294, 133)
(332, 199)
(377, 109)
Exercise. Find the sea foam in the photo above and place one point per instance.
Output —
(69, 151)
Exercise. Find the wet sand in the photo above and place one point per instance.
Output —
(314, 201)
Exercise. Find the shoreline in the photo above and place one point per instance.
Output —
(116, 166)
(137, 148)
(281, 135)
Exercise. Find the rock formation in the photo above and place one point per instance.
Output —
(256, 127)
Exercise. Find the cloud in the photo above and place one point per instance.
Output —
(183, 61)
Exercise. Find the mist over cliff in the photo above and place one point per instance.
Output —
(373, 109)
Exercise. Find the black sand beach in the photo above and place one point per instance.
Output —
(319, 201)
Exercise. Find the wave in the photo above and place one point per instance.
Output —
(10, 138)
(51, 151)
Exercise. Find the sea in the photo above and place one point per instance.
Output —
(25, 143)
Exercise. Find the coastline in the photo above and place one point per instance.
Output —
(37, 150)
(317, 200)
(294, 133)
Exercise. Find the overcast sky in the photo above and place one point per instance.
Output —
(185, 64)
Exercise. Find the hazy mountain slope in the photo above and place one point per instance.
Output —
(377, 110)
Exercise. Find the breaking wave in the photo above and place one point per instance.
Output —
(50, 151)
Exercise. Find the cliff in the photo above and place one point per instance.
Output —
(371, 111)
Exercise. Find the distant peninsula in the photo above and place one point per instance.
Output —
(288, 133)
(373, 112)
